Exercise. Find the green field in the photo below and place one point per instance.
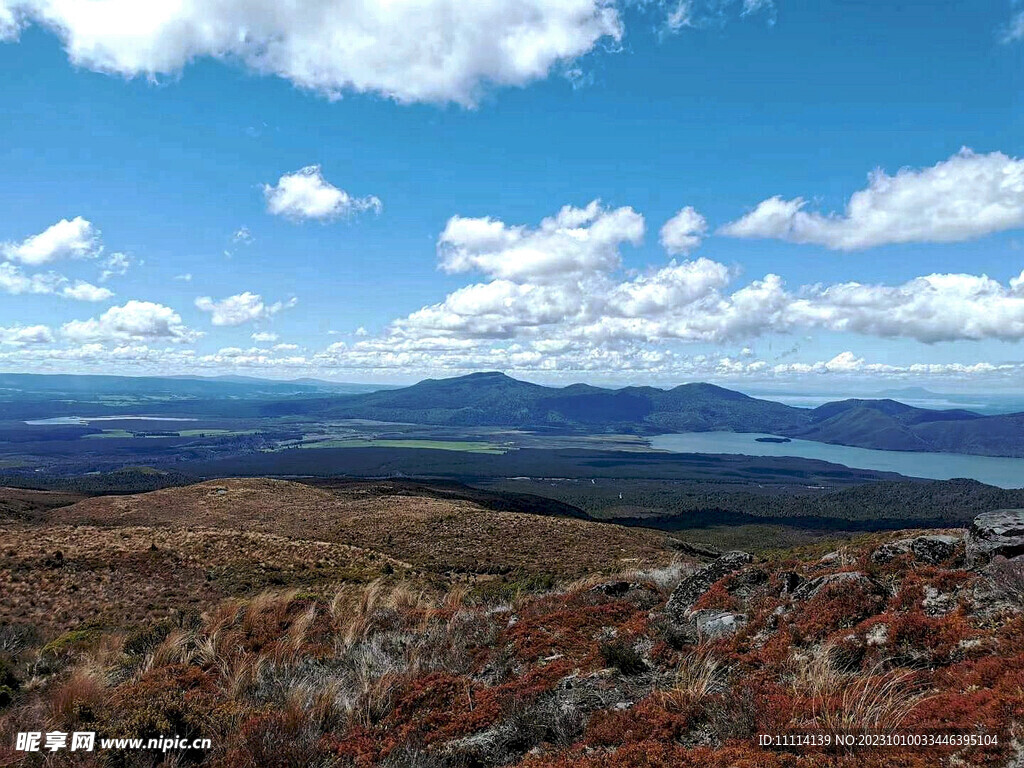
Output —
(124, 433)
(440, 445)
(215, 432)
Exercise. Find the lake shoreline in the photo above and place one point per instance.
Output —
(1004, 472)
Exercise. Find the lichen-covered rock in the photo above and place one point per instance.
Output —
(690, 589)
(931, 549)
(639, 593)
(1000, 532)
(714, 623)
(789, 581)
(936, 603)
(846, 579)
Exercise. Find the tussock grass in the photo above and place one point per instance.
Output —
(834, 701)
(699, 675)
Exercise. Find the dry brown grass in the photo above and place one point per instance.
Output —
(432, 534)
(698, 675)
(834, 701)
(19, 504)
(115, 577)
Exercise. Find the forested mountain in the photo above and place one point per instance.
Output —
(497, 400)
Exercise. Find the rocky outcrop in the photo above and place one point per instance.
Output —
(846, 580)
(1000, 532)
(640, 593)
(931, 549)
(691, 588)
(714, 623)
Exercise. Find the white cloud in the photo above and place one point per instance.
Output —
(114, 265)
(306, 194)
(8, 22)
(967, 196)
(1015, 30)
(712, 13)
(241, 308)
(561, 281)
(13, 280)
(264, 336)
(680, 16)
(408, 50)
(932, 308)
(683, 232)
(754, 6)
(850, 364)
(185, 278)
(576, 241)
(74, 238)
(22, 335)
(83, 291)
(242, 235)
(134, 321)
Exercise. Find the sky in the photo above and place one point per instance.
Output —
(801, 194)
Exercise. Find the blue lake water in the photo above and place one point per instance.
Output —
(1002, 472)
(85, 420)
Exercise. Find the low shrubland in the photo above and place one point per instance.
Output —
(398, 672)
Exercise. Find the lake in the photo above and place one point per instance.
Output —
(1002, 472)
(85, 420)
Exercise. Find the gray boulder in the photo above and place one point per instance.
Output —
(846, 579)
(1000, 532)
(696, 584)
(931, 549)
(714, 623)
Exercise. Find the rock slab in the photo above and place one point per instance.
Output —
(1000, 532)
(691, 588)
(931, 549)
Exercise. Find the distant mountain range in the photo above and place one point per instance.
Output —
(496, 400)
(21, 385)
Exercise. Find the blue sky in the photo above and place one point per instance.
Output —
(153, 139)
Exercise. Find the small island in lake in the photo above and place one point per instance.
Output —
(772, 440)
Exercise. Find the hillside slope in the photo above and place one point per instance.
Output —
(496, 400)
(430, 532)
(678, 667)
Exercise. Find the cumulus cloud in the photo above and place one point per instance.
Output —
(241, 308)
(683, 232)
(68, 238)
(849, 363)
(83, 291)
(931, 308)
(134, 321)
(575, 241)
(965, 197)
(23, 335)
(15, 281)
(306, 194)
(562, 281)
(264, 336)
(407, 50)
